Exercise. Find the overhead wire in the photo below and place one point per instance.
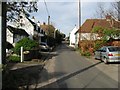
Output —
(46, 8)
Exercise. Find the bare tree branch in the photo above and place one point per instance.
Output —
(14, 8)
(113, 10)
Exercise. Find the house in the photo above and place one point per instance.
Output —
(89, 24)
(15, 34)
(50, 33)
(31, 27)
(77, 39)
(73, 36)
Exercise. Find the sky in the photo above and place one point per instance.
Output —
(64, 15)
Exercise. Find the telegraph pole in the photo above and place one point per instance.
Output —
(48, 20)
(79, 22)
(79, 14)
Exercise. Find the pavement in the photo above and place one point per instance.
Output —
(24, 75)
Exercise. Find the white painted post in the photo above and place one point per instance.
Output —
(22, 56)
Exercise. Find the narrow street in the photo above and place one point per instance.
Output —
(67, 69)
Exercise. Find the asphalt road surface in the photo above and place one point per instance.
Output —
(67, 69)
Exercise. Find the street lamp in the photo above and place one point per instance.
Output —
(55, 36)
(55, 33)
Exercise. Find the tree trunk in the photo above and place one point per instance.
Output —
(3, 32)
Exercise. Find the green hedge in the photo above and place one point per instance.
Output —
(87, 53)
(27, 44)
(14, 58)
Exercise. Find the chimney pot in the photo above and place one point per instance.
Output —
(43, 23)
(108, 17)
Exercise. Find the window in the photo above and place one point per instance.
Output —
(112, 49)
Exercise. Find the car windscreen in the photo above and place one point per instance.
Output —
(114, 49)
(43, 44)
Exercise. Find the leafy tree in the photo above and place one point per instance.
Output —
(105, 34)
(14, 8)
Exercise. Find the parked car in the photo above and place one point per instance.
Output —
(8, 52)
(108, 54)
(44, 47)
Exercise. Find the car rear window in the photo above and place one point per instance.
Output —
(112, 49)
(42, 44)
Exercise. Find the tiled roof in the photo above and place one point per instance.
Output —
(17, 31)
(89, 24)
(46, 28)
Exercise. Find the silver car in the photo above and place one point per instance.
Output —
(108, 54)
(44, 47)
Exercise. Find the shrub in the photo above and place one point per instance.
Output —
(77, 49)
(85, 45)
(86, 53)
(14, 58)
(99, 44)
(27, 44)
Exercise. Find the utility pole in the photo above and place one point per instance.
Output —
(79, 14)
(79, 23)
(48, 20)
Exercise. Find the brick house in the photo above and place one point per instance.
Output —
(89, 24)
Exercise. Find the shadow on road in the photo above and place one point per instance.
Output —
(113, 63)
(62, 76)
(21, 77)
(76, 72)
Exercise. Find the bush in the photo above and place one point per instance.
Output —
(99, 44)
(78, 49)
(27, 44)
(85, 45)
(14, 58)
(87, 53)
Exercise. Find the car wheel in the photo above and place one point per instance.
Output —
(105, 60)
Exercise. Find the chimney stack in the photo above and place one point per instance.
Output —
(48, 20)
(108, 17)
(33, 19)
(44, 23)
(38, 23)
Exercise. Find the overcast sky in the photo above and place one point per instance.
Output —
(64, 15)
